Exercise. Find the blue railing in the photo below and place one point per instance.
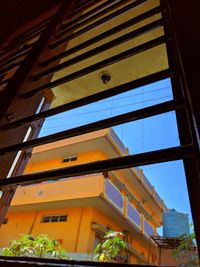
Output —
(148, 229)
(133, 214)
(117, 141)
(114, 195)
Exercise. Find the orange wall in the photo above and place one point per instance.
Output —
(19, 223)
(100, 218)
(57, 162)
(85, 158)
(65, 231)
(69, 189)
(76, 233)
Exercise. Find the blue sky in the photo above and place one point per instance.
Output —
(141, 136)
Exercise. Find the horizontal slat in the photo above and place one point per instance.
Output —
(42, 262)
(27, 35)
(102, 48)
(83, 6)
(11, 67)
(103, 35)
(109, 61)
(90, 99)
(67, 23)
(22, 41)
(11, 59)
(19, 51)
(158, 156)
(97, 23)
(30, 30)
(79, 24)
(13, 87)
(95, 126)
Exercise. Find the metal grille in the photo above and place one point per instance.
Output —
(81, 40)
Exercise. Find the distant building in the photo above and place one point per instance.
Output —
(175, 223)
(77, 211)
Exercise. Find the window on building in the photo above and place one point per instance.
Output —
(54, 218)
(68, 159)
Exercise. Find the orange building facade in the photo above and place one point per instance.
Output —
(78, 211)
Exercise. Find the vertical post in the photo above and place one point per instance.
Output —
(186, 120)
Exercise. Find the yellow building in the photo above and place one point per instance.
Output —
(77, 211)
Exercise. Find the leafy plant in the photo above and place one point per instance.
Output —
(42, 246)
(112, 247)
(186, 250)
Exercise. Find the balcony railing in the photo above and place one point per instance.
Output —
(148, 229)
(133, 215)
(114, 195)
(118, 142)
(126, 208)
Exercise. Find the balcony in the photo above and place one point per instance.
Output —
(59, 193)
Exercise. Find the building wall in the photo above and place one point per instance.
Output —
(53, 192)
(76, 234)
(65, 232)
(72, 234)
(57, 162)
(103, 220)
(19, 223)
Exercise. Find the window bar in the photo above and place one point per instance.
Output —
(26, 37)
(11, 67)
(67, 23)
(123, 162)
(185, 151)
(23, 40)
(90, 99)
(14, 87)
(42, 23)
(20, 76)
(10, 59)
(35, 262)
(83, 6)
(97, 23)
(117, 41)
(19, 153)
(103, 35)
(91, 127)
(32, 30)
(21, 50)
(184, 121)
(123, 55)
(92, 18)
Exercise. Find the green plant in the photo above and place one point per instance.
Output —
(111, 248)
(41, 246)
(186, 250)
